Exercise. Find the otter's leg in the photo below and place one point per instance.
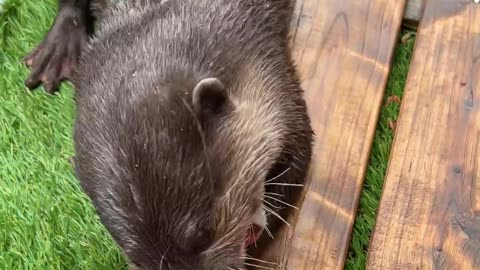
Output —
(55, 58)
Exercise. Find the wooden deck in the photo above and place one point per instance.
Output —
(429, 215)
(343, 49)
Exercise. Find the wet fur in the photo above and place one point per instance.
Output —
(176, 189)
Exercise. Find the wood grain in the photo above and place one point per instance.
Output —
(413, 13)
(343, 49)
(429, 216)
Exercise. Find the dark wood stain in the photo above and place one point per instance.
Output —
(429, 216)
(343, 49)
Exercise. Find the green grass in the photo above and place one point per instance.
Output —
(46, 222)
(372, 188)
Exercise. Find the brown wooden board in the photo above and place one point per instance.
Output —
(429, 216)
(343, 49)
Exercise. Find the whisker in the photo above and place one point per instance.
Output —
(279, 175)
(274, 194)
(276, 214)
(282, 202)
(258, 260)
(259, 266)
(267, 230)
(271, 204)
(283, 184)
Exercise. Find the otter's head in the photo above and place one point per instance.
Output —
(177, 174)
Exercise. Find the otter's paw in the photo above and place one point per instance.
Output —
(55, 58)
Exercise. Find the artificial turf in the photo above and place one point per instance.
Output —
(46, 222)
(380, 152)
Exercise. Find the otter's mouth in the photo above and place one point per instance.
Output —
(257, 224)
(253, 234)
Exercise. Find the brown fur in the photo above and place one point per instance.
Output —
(176, 187)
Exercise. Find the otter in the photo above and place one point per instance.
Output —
(192, 138)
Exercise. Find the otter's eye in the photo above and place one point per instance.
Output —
(201, 240)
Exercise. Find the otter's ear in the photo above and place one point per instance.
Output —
(210, 97)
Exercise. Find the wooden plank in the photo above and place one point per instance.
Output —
(429, 216)
(413, 13)
(343, 49)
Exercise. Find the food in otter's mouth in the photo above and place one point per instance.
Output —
(253, 234)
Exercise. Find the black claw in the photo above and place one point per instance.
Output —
(53, 59)
(52, 88)
(32, 84)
